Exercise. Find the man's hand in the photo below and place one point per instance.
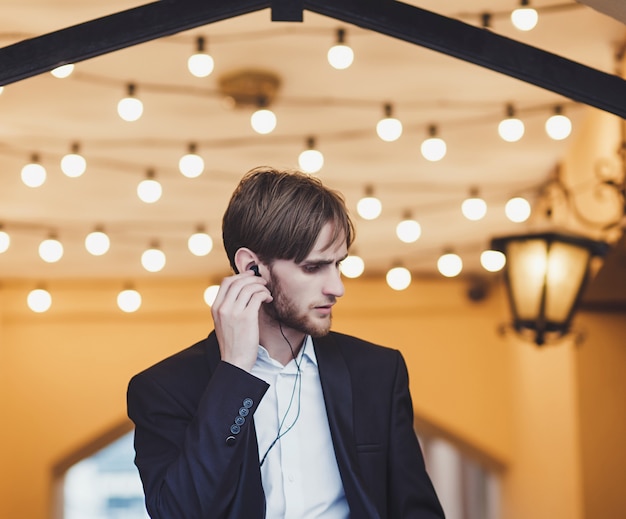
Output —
(236, 316)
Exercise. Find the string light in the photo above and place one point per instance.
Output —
(130, 108)
(129, 300)
(340, 55)
(191, 165)
(39, 300)
(153, 259)
(449, 264)
(33, 173)
(517, 209)
(5, 240)
(210, 293)
(311, 160)
(408, 230)
(73, 164)
(263, 120)
(492, 260)
(524, 17)
(149, 190)
(97, 242)
(200, 64)
(63, 71)
(433, 148)
(474, 208)
(511, 129)
(353, 266)
(389, 128)
(369, 207)
(200, 243)
(51, 249)
(558, 126)
(398, 278)
(1, 90)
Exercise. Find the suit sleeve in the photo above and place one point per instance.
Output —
(411, 493)
(190, 460)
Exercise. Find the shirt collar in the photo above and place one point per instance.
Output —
(307, 352)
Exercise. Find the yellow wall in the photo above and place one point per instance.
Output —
(63, 379)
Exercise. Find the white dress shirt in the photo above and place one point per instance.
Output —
(300, 475)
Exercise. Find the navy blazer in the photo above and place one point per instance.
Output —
(196, 462)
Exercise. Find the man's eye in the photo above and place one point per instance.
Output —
(311, 268)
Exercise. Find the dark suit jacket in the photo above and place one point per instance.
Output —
(195, 465)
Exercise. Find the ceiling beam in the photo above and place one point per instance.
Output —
(475, 45)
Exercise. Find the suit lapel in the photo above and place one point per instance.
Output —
(337, 389)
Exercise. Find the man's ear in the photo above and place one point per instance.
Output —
(244, 259)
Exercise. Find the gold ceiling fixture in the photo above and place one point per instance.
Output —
(249, 88)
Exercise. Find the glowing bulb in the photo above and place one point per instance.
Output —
(511, 129)
(191, 165)
(389, 128)
(340, 55)
(130, 108)
(51, 250)
(474, 208)
(210, 294)
(1, 89)
(408, 230)
(73, 164)
(149, 190)
(558, 126)
(353, 266)
(263, 121)
(129, 300)
(369, 207)
(524, 18)
(311, 160)
(153, 259)
(517, 209)
(450, 265)
(398, 278)
(97, 243)
(492, 260)
(200, 64)
(39, 300)
(63, 71)
(200, 243)
(5, 241)
(433, 148)
(34, 174)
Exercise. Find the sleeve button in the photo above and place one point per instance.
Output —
(235, 429)
(230, 441)
(248, 403)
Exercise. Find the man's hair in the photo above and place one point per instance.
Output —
(280, 214)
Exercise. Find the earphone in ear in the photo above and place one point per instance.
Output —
(255, 269)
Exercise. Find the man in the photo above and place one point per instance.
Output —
(273, 415)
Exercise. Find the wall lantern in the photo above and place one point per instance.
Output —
(545, 275)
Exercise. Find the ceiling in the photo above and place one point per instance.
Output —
(44, 115)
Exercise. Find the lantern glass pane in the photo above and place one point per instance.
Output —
(527, 271)
(567, 265)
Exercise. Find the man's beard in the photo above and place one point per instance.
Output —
(284, 310)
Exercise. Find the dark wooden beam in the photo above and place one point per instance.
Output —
(287, 10)
(117, 31)
(481, 47)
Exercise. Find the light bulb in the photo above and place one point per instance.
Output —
(369, 207)
(5, 241)
(63, 71)
(398, 278)
(450, 265)
(153, 259)
(352, 267)
(433, 148)
(474, 208)
(73, 164)
(524, 18)
(130, 108)
(34, 174)
(389, 128)
(51, 250)
(340, 55)
(558, 126)
(200, 243)
(492, 260)
(210, 294)
(311, 160)
(517, 209)
(191, 165)
(200, 64)
(129, 300)
(39, 300)
(263, 121)
(1, 90)
(408, 230)
(97, 243)
(149, 190)
(511, 129)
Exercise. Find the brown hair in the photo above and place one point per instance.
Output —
(280, 214)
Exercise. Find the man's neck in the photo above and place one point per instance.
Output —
(281, 345)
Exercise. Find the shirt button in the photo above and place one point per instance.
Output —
(291, 478)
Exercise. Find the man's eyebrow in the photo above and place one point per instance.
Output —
(322, 261)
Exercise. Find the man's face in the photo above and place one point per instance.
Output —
(304, 293)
